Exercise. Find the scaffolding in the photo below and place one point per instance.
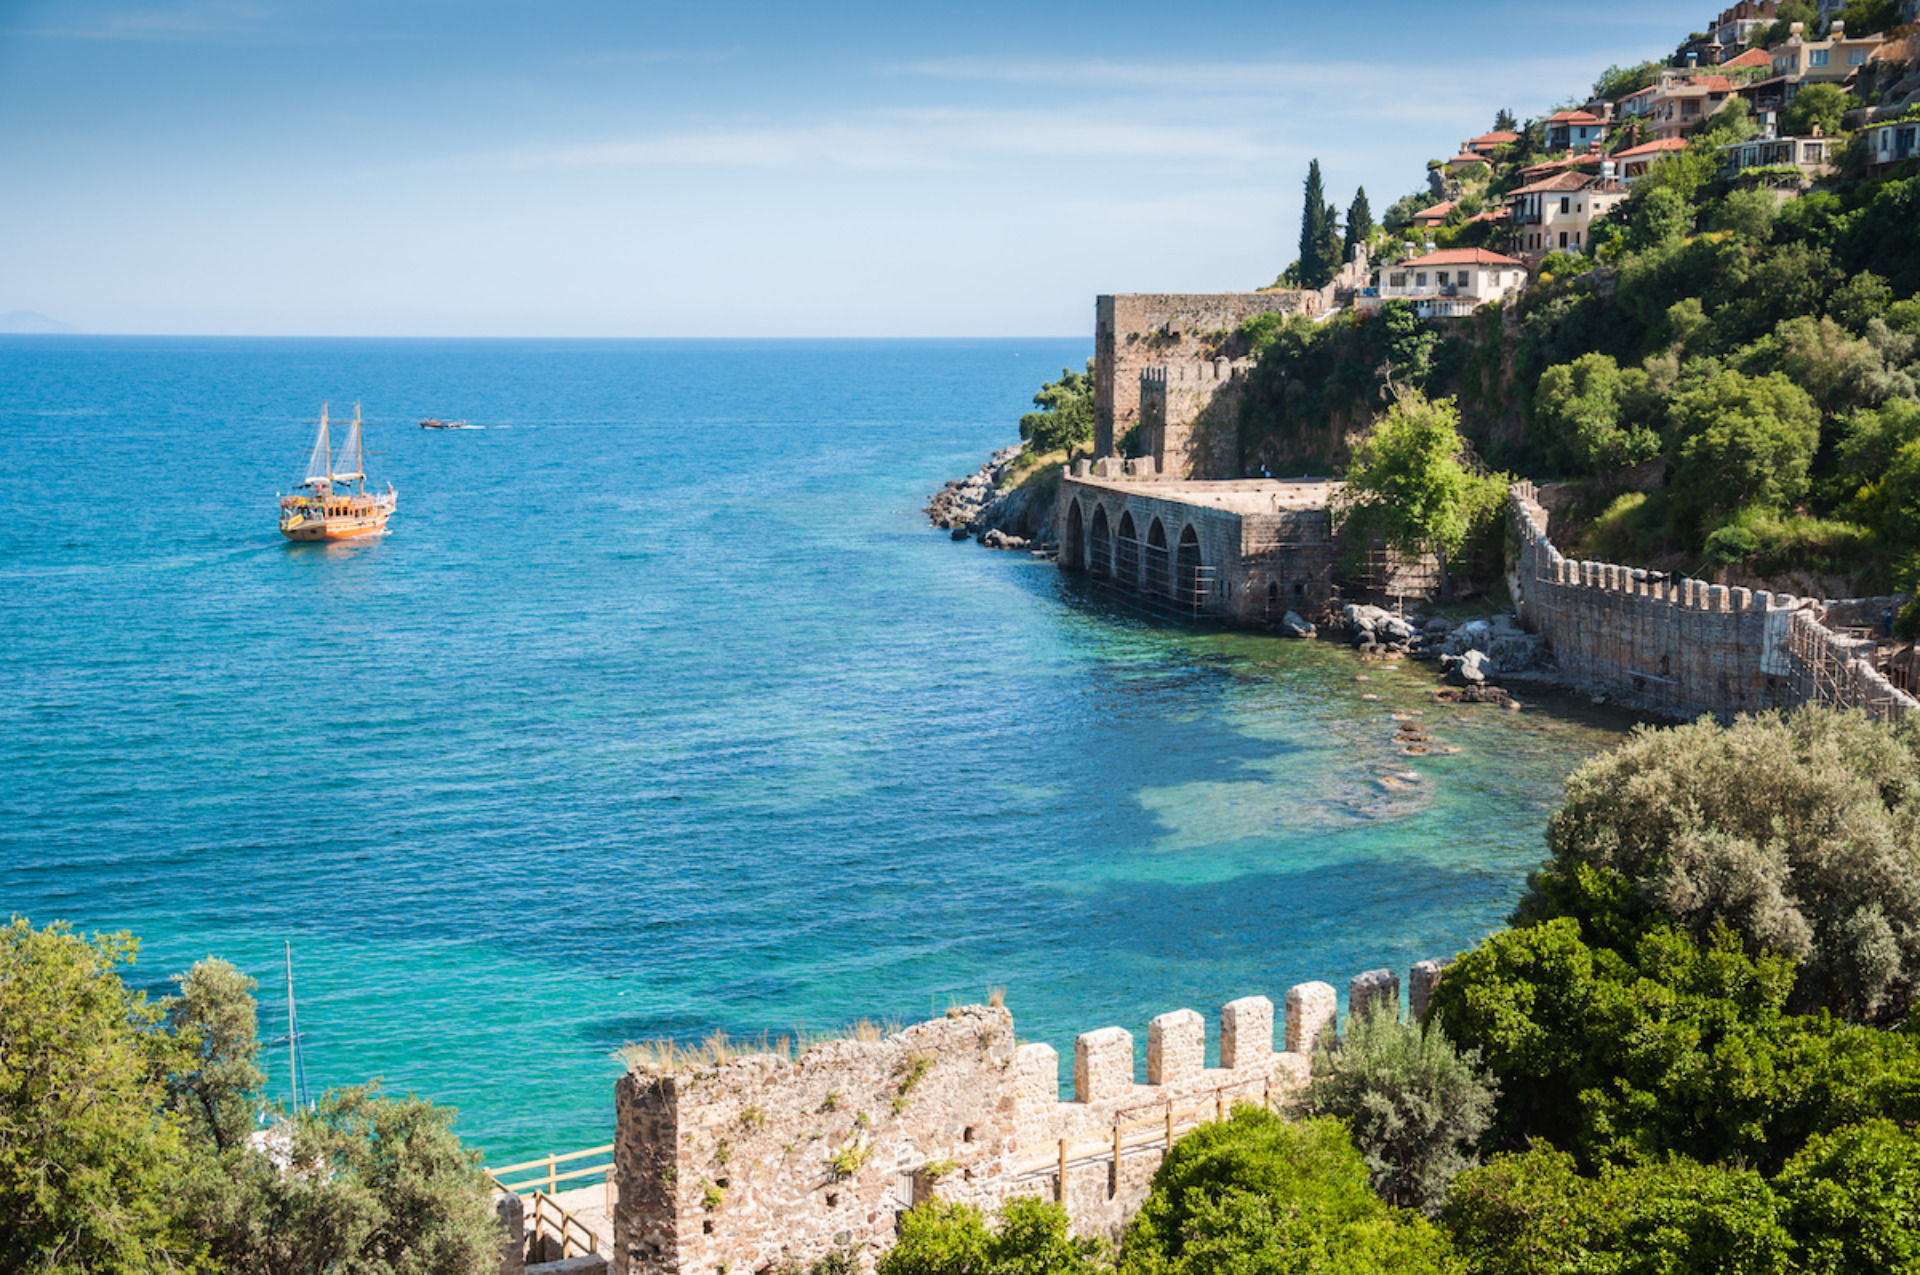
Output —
(1837, 670)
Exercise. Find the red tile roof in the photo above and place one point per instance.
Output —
(1497, 214)
(1574, 117)
(1499, 137)
(1468, 157)
(1660, 147)
(1752, 57)
(1439, 210)
(1462, 257)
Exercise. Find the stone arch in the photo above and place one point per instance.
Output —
(1189, 569)
(1156, 573)
(1100, 543)
(1072, 540)
(1126, 551)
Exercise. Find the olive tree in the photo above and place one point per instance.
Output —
(1800, 832)
(1417, 1105)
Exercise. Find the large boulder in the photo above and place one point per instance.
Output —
(1295, 626)
(1470, 669)
(1378, 623)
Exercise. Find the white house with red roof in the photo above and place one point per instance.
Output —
(1556, 214)
(1574, 130)
(1487, 143)
(1446, 284)
(1636, 161)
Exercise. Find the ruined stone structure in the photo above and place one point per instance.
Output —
(1248, 550)
(1685, 647)
(759, 1161)
(1158, 363)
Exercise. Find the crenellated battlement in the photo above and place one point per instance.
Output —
(737, 1162)
(1684, 646)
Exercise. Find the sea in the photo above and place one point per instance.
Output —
(661, 711)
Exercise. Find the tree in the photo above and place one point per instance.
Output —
(1065, 418)
(1617, 81)
(216, 1089)
(1258, 1194)
(1319, 234)
(1414, 484)
(1816, 106)
(1864, 17)
(90, 1161)
(1532, 1214)
(398, 1194)
(1592, 414)
(1359, 223)
(1747, 212)
(1659, 218)
(939, 1238)
(1417, 1106)
(1797, 831)
(1742, 441)
(1504, 122)
(1853, 1199)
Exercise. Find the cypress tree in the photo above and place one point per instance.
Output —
(1319, 234)
(1359, 223)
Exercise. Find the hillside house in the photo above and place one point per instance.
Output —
(1428, 218)
(1557, 213)
(1469, 162)
(1635, 162)
(1680, 101)
(1574, 130)
(1811, 155)
(1800, 61)
(1889, 143)
(1487, 143)
(1447, 284)
(1735, 26)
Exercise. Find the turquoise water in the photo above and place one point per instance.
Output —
(662, 711)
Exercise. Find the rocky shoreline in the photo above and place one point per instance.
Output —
(988, 507)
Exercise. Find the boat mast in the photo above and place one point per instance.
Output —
(320, 463)
(295, 1078)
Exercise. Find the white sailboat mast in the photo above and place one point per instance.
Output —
(352, 464)
(320, 463)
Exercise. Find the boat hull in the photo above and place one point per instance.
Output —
(351, 528)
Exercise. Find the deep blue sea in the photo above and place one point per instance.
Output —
(661, 710)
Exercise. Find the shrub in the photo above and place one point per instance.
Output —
(1065, 418)
(1853, 1199)
(1742, 441)
(1800, 832)
(1416, 1105)
(1256, 1193)
(938, 1238)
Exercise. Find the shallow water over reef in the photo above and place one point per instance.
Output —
(661, 711)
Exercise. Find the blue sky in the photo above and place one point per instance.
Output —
(901, 169)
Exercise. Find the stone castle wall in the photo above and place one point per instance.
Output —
(765, 1161)
(1134, 332)
(1187, 416)
(1684, 647)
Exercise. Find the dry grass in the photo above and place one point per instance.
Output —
(665, 1057)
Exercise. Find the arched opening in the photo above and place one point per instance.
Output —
(1189, 572)
(1100, 544)
(1071, 541)
(1155, 576)
(1126, 552)
(1273, 601)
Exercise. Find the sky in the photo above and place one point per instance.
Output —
(470, 168)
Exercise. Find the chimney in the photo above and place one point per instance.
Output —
(1606, 170)
(1837, 29)
(1693, 59)
(1796, 31)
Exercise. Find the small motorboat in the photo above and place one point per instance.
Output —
(434, 422)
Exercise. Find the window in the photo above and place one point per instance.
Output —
(1563, 239)
(1419, 278)
(1397, 280)
(1566, 203)
(1857, 58)
(1816, 57)
(1441, 278)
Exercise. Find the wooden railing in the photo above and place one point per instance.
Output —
(546, 1172)
(1161, 1127)
(549, 1224)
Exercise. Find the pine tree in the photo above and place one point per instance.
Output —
(1359, 222)
(1505, 123)
(1319, 234)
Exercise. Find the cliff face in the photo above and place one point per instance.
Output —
(1005, 504)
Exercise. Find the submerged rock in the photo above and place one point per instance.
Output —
(1294, 626)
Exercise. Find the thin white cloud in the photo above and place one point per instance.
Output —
(906, 140)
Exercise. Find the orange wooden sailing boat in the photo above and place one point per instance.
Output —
(332, 502)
